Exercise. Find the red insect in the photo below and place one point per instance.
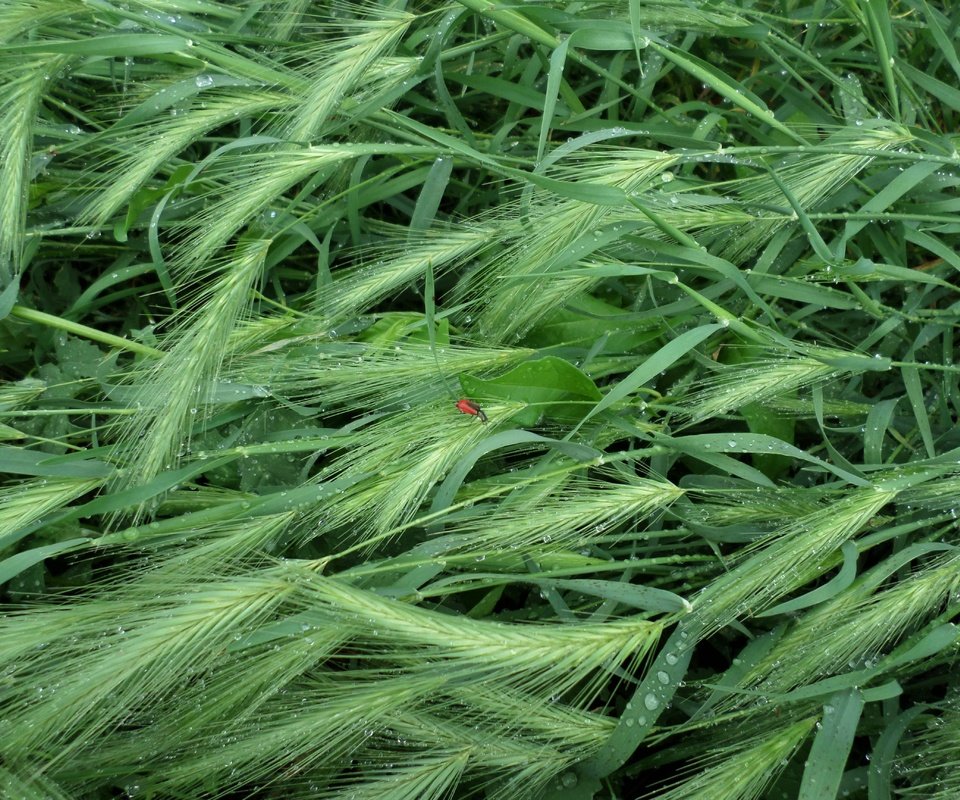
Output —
(465, 406)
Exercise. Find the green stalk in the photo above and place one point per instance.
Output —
(32, 315)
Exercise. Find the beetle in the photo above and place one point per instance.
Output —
(465, 406)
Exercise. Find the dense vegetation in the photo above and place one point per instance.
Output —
(695, 262)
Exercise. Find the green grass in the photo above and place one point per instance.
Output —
(697, 264)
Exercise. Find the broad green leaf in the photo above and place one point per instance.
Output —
(883, 757)
(431, 194)
(911, 380)
(843, 579)
(759, 443)
(33, 462)
(831, 746)
(627, 594)
(665, 357)
(451, 484)
(8, 297)
(124, 45)
(649, 700)
(725, 86)
(548, 386)
(13, 565)
(558, 59)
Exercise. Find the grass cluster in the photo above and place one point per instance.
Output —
(695, 261)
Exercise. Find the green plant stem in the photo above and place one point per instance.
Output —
(32, 315)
